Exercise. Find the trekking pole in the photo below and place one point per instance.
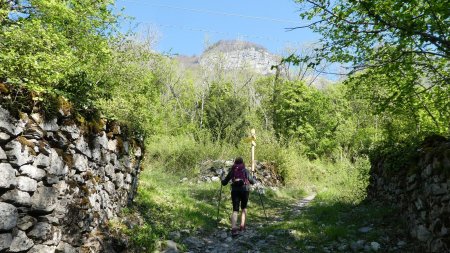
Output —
(262, 203)
(220, 197)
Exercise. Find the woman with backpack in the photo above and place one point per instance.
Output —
(240, 189)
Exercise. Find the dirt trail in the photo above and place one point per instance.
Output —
(254, 239)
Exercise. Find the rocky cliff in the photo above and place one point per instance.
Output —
(62, 181)
(232, 54)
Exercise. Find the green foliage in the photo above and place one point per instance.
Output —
(346, 180)
(399, 54)
(225, 114)
(333, 123)
(61, 47)
(390, 35)
(406, 112)
(302, 113)
(182, 154)
(135, 102)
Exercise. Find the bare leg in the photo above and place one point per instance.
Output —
(243, 216)
(234, 219)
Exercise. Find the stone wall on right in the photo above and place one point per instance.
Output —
(422, 192)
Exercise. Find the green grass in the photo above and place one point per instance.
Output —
(328, 220)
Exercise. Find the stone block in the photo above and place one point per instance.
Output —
(26, 184)
(4, 137)
(109, 187)
(32, 172)
(64, 247)
(53, 179)
(126, 146)
(114, 161)
(17, 154)
(112, 145)
(96, 155)
(8, 178)
(109, 170)
(56, 165)
(5, 241)
(9, 124)
(73, 131)
(41, 161)
(101, 141)
(42, 249)
(119, 180)
(44, 199)
(41, 232)
(50, 125)
(80, 162)
(2, 154)
(138, 152)
(82, 147)
(17, 197)
(26, 222)
(36, 117)
(21, 242)
(128, 179)
(9, 216)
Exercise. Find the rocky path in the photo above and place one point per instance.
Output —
(254, 239)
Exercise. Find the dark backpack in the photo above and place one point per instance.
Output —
(239, 177)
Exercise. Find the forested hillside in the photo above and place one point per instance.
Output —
(73, 56)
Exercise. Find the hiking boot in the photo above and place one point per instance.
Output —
(242, 228)
(234, 232)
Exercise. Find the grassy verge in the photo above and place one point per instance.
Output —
(328, 225)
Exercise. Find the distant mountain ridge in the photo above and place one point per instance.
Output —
(234, 54)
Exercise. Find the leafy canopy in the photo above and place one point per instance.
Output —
(400, 47)
(58, 46)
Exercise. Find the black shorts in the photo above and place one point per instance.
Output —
(239, 197)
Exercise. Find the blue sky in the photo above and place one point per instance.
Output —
(186, 26)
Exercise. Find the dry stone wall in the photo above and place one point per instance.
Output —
(422, 192)
(60, 182)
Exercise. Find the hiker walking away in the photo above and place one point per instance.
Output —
(240, 189)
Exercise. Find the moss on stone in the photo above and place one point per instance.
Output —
(25, 142)
(120, 146)
(68, 160)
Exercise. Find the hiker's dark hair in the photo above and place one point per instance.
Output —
(239, 160)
